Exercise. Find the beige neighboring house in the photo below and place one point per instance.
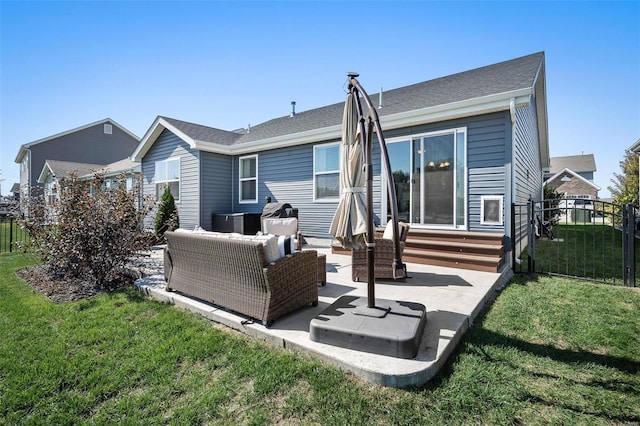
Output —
(573, 176)
(54, 170)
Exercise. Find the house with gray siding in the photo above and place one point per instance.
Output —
(54, 170)
(458, 145)
(102, 142)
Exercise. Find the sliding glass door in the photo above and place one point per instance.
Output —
(429, 175)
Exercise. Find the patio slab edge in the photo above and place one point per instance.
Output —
(410, 377)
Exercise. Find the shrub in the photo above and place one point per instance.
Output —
(167, 215)
(551, 200)
(89, 231)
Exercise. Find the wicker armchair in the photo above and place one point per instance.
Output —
(384, 255)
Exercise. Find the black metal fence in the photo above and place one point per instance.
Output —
(585, 239)
(12, 236)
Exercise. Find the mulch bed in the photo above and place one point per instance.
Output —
(60, 290)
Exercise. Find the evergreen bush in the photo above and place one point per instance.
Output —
(167, 215)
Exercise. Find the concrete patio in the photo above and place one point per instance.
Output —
(453, 298)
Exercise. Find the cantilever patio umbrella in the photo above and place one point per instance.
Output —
(354, 216)
(391, 327)
(349, 224)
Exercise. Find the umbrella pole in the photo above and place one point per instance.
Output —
(371, 242)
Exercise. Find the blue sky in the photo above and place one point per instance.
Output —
(230, 64)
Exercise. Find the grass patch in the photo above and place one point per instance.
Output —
(548, 351)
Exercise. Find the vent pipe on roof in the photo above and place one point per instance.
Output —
(248, 127)
(380, 99)
(293, 108)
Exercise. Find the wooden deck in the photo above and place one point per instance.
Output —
(477, 251)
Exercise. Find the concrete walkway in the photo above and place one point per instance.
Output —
(453, 298)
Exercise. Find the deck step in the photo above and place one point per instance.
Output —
(478, 251)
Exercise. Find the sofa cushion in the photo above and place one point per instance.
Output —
(286, 244)
(403, 229)
(280, 226)
(270, 243)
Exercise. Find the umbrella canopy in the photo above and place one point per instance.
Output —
(349, 224)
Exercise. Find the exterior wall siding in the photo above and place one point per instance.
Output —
(216, 177)
(528, 178)
(89, 145)
(286, 175)
(168, 146)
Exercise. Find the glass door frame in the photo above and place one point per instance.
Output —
(410, 139)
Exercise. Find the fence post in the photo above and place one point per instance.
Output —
(10, 234)
(513, 237)
(625, 243)
(531, 259)
(632, 245)
(628, 245)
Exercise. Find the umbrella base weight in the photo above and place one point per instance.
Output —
(392, 328)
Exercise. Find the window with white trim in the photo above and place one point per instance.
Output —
(326, 172)
(248, 179)
(168, 174)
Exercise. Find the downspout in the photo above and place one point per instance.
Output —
(510, 184)
(29, 175)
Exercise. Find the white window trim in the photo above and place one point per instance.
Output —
(326, 200)
(179, 180)
(241, 179)
(410, 137)
(493, 198)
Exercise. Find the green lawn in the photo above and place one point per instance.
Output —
(590, 250)
(548, 351)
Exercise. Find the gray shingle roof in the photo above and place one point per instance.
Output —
(65, 168)
(515, 74)
(204, 133)
(576, 163)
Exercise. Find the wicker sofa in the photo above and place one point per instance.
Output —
(235, 274)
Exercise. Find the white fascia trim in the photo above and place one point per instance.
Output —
(484, 105)
(46, 170)
(152, 135)
(301, 138)
(635, 148)
(565, 170)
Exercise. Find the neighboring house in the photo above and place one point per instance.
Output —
(453, 142)
(54, 170)
(102, 142)
(573, 176)
(15, 191)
